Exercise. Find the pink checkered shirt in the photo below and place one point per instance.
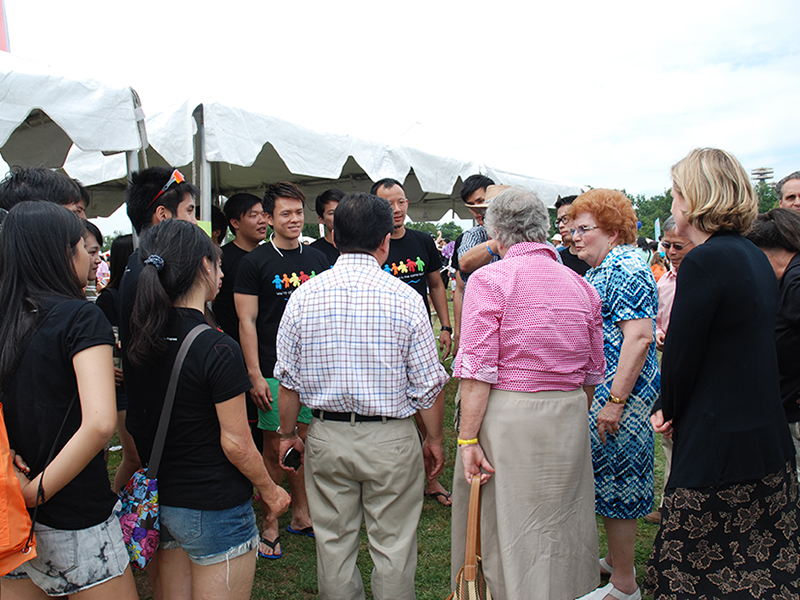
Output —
(357, 339)
(530, 324)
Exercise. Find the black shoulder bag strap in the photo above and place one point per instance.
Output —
(169, 400)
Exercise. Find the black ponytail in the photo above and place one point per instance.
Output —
(172, 253)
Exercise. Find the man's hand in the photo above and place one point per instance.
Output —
(608, 419)
(260, 393)
(661, 426)
(117, 377)
(445, 343)
(293, 442)
(474, 459)
(433, 455)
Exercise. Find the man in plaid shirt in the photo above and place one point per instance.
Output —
(355, 345)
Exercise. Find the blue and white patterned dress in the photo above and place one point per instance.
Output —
(623, 466)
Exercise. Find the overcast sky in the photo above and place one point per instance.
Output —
(608, 94)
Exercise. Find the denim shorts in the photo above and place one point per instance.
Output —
(209, 536)
(70, 561)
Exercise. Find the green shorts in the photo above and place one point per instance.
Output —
(268, 420)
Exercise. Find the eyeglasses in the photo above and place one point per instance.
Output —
(176, 177)
(560, 220)
(581, 230)
(678, 247)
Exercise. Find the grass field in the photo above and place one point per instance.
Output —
(295, 576)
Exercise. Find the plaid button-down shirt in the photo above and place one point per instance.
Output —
(355, 339)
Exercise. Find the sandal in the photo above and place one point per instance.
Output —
(271, 545)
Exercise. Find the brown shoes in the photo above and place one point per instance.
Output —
(654, 517)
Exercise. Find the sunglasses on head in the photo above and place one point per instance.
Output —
(176, 177)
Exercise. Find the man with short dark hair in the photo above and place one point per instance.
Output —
(415, 260)
(568, 252)
(364, 456)
(267, 277)
(153, 195)
(472, 253)
(219, 225)
(326, 205)
(38, 183)
(788, 190)
(248, 221)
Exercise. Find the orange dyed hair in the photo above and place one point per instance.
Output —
(611, 210)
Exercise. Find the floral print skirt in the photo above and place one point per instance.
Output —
(737, 541)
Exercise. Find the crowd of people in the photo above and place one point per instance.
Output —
(318, 364)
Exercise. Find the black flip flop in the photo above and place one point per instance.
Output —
(272, 545)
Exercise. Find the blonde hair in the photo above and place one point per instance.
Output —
(717, 190)
(611, 210)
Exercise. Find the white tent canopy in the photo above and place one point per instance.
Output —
(232, 150)
(42, 114)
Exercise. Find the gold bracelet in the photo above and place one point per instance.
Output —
(613, 399)
(467, 442)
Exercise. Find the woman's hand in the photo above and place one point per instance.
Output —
(474, 459)
(661, 426)
(276, 498)
(608, 419)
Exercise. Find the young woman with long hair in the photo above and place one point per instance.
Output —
(209, 464)
(58, 396)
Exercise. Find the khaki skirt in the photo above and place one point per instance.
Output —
(538, 528)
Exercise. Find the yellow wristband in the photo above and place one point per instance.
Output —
(467, 442)
(614, 400)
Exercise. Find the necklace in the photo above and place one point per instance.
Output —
(272, 241)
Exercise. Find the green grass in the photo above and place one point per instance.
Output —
(294, 576)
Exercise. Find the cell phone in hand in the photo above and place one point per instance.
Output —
(292, 459)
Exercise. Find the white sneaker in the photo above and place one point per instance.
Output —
(610, 590)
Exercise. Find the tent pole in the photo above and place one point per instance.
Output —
(204, 166)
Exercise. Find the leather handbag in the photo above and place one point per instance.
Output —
(470, 583)
(139, 514)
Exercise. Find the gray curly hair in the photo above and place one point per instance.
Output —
(517, 215)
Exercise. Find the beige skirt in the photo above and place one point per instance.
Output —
(538, 528)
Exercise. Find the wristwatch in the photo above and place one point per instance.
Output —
(446, 328)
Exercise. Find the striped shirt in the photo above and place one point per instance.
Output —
(356, 339)
(531, 325)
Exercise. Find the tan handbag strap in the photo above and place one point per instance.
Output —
(473, 530)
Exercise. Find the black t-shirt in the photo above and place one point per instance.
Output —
(194, 471)
(573, 262)
(36, 402)
(787, 338)
(328, 249)
(224, 308)
(107, 302)
(273, 278)
(411, 258)
(134, 376)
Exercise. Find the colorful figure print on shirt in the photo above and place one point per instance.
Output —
(412, 258)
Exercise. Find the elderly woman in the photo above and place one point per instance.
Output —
(729, 520)
(777, 233)
(531, 352)
(603, 226)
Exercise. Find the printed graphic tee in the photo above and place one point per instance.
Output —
(412, 258)
(273, 278)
